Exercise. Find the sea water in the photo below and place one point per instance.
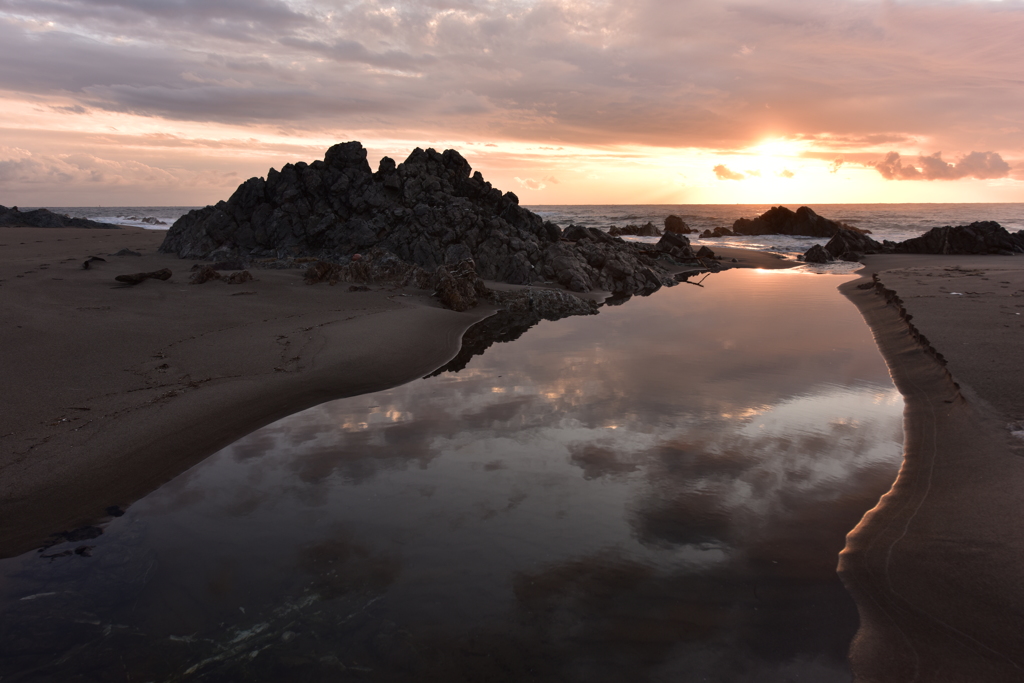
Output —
(658, 492)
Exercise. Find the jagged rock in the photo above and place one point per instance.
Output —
(44, 218)
(782, 221)
(705, 252)
(238, 277)
(677, 225)
(982, 237)
(717, 232)
(817, 254)
(376, 266)
(136, 278)
(676, 246)
(851, 241)
(851, 256)
(646, 230)
(426, 212)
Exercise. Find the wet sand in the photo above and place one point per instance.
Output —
(112, 390)
(935, 568)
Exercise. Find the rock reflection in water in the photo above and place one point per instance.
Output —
(659, 492)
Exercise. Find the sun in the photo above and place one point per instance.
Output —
(778, 147)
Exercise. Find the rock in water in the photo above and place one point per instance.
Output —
(427, 212)
(44, 218)
(674, 223)
(817, 254)
(781, 221)
(851, 242)
(676, 246)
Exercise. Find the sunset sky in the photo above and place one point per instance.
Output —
(175, 102)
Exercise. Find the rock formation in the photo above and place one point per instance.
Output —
(717, 232)
(428, 211)
(817, 254)
(44, 218)
(982, 237)
(677, 225)
(646, 230)
(781, 221)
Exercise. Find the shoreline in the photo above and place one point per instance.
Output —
(121, 388)
(934, 567)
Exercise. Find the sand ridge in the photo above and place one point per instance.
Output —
(934, 567)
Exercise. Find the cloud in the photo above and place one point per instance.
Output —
(786, 173)
(836, 164)
(754, 174)
(530, 183)
(981, 165)
(724, 173)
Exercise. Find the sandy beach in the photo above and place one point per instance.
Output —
(935, 567)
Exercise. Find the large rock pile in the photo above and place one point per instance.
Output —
(782, 221)
(44, 218)
(428, 211)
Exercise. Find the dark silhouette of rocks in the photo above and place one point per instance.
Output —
(674, 223)
(982, 237)
(44, 218)
(705, 252)
(204, 274)
(782, 221)
(850, 241)
(717, 232)
(92, 259)
(646, 230)
(428, 212)
(126, 252)
(817, 254)
(136, 278)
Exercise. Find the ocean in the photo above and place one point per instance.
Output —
(894, 222)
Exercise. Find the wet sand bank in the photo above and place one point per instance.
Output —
(935, 567)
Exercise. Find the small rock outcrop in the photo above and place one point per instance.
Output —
(982, 237)
(782, 221)
(674, 223)
(817, 254)
(44, 218)
(427, 212)
(851, 242)
(717, 232)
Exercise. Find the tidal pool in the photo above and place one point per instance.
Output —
(658, 492)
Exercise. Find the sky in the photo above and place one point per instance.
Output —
(176, 102)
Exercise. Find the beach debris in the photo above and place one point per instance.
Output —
(459, 286)
(136, 278)
(358, 288)
(207, 273)
(674, 223)
(126, 252)
(92, 259)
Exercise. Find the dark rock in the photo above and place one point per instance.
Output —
(230, 265)
(717, 232)
(114, 511)
(782, 221)
(84, 550)
(426, 212)
(677, 225)
(704, 252)
(204, 275)
(817, 254)
(358, 288)
(87, 264)
(676, 246)
(851, 241)
(136, 278)
(127, 252)
(44, 218)
(983, 237)
(645, 230)
(851, 256)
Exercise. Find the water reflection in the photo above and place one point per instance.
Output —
(655, 493)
